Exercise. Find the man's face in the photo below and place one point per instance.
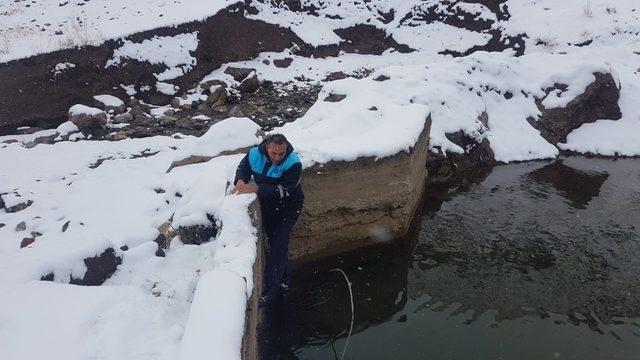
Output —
(276, 152)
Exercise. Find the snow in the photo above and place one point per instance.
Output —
(166, 88)
(172, 51)
(229, 134)
(66, 128)
(75, 322)
(61, 67)
(91, 22)
(109, 100)
(482, 12)
(208, 307)
(393, 127)
(141, 311)
(566, 23)
(80, 109)
(437, 37)
(129, 89)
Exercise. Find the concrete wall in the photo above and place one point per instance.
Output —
(358, 203)
(253, 316)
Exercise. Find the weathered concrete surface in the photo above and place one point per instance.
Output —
(253, 315)
(355, 204)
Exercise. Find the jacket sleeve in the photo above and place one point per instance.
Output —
(243, 172)
(285, 187)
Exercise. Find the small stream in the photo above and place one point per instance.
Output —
(537, 260)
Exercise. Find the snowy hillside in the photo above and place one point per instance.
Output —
(492, 71)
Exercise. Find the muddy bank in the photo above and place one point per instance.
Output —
(225, 37)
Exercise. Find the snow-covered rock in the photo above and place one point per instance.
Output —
(110, 103)
(85, 117)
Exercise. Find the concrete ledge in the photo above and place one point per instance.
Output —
(354, 204)
(253, 315)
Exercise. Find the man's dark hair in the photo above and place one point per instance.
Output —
(276, 139)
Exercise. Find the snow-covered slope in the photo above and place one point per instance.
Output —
(79, 209)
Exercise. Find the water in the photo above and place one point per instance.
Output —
(536, 260)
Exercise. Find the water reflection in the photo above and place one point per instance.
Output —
(490, 271)
(578, 186)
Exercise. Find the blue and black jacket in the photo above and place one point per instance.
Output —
(277, 183)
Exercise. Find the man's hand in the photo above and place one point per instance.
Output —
(242, 188)
(238, 186)
(247, 189)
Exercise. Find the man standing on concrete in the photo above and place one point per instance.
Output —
(276, 170)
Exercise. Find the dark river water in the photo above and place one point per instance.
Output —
(537, 260)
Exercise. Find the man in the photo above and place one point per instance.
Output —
(276, 169)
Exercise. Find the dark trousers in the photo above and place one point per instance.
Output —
(278, 222)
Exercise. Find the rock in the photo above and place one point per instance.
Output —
(382, 78)
(26, 242)
(237, 73)
(46, 139)
(175, 103)
(87, 118)
(136, 110)
(28, 130)
(99, 268)
(599, 101)
(340, 214)
(209, 83)
(185, 123)
(168, 121)
(133, 102)
(110, 103)
(123, 118)
(335, 98)
(1, 202)
(116, 136)
(145, 120)
(22, 226)
(199, 234)
(2, 225)
(283, 63)
(65, 226)
(218, 96)
(235, 112)
(250, 84)
(140, 132)
(478, 155)
(19, 207)
(192, 159)
(169, 112)
(337, 75)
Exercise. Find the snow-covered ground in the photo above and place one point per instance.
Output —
(80, 210)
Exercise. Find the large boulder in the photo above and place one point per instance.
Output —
(237, 73)
(477, 155)
(599, 101)
(87, 118)
(250, 84)
(359, 203)
(110, 103)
